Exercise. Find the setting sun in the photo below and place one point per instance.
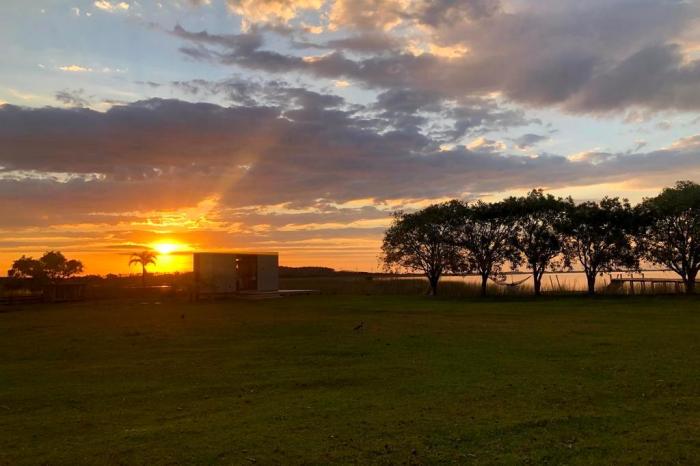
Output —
(172, 256)
(166, 248)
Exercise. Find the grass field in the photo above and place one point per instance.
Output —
(288, 381)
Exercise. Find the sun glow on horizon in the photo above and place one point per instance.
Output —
(165, 248)
(172, 256)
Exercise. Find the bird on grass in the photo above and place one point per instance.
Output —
(359, 326)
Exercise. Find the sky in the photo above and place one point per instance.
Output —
(300, 126)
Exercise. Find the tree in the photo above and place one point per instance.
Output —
(73, 267)
(422, 241)
(26, 268)
(51, 267)
(598, 236)
(145, 258)
(671, 230)
(57, 267)
(483, 231)
(535, 234)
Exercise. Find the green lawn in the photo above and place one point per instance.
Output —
(288, 381)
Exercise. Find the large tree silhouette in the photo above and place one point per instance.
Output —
(535, 234)
(598, 235)
(422, 241)
(671, 232)
(51, 267)
(144, 258)
(483, 232)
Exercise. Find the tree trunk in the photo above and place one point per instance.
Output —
(590, 278)
(537, 279)
(484, 283)
(690, 283)
(143, 276)
(433, 280)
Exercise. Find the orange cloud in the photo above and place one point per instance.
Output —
(271, 11)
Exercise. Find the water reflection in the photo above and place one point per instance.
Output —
(568, 281)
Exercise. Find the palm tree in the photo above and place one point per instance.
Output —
(145, 258)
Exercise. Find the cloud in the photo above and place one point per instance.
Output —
(424, 112)
(73, 98)
(87, 69)
(485, 145)
(445, 12)
(367, 42)
(389, 14)
(528, 140)
(595, 57)
(655, 77)
(271, 11)
(168, 154)
(639, 145)
(111, 6)
(252, 93)
(75, 68)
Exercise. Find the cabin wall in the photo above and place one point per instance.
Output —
(215, 273)
(268, 272)
(247, 270)
(230, 273)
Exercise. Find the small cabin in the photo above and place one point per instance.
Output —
(230, 273)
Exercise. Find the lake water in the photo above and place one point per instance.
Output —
(571, 281)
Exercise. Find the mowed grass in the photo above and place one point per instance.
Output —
(288, 381)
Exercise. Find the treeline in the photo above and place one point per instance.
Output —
(316, 272)
(542, 233)
(49, 268)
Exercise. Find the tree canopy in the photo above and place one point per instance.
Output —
(423, 242)
(483, 232)
(599, 236)
(535, 235)
(548, 233)
(50, 267)
(671, 230)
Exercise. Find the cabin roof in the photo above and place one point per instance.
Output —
(236, 253)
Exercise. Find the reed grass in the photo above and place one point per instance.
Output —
(369, 286)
